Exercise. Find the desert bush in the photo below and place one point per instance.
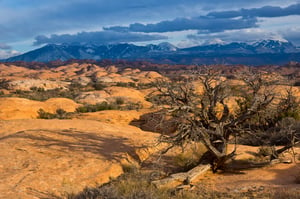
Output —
(62, 114)
(4, 83)
(59, 114)
(119, 101)
(284, 194)
(129, 168)
(138, 186)
(45, 115)
(96, 107)
(297, 83)
(99, 86)
(126, 84)
(77, 87)
(131, 186)
(37, 89)
(133, 106)
(40, 94)
(118, 104)
(265, 151)
(283, 133)
(145, 85)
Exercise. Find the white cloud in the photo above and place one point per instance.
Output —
(246, 35)
(8, 53)
(98, 37)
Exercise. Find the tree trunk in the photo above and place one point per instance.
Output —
(277, 152)
(183, 177)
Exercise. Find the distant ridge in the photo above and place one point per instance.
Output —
(258, 53)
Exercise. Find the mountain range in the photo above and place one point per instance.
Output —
(258, 53)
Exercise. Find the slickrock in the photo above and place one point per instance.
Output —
(44, 157)
(31, 83)
(129, 94)
(21, 108)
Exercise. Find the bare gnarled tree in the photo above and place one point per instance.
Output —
(205, 117)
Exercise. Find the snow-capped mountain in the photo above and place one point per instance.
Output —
(274, 46)
(260, 47)
(262, 52)
(65, 52)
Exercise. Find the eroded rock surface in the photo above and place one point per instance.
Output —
(44, 157)
(21, 108)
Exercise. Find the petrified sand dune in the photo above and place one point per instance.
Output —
(30, 83)
(282, 91)
(15, 72)
(129, 94)
(42, 157)
(21, 108)
(113, 116)
(92, 97)
(61, 76)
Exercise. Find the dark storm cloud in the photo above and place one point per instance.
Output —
(214, 21)
(22, 20)
(266, 11)
(99, 37)
(198, 23)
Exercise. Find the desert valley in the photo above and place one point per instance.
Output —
(80, 125)
(149, 99)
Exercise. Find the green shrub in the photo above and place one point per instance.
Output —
(297, 83)
(131, 186)
(133, 106)
(37, 89)
(284, 193)
(62, 114)
(119, 104)
(96, 107)
(39, 94)
(45, 115)
(145, 85)
(4, 83)
(120, 101)
(126, 84)
(138, 186)
(99, 86)
(59, 114)
(265, 151)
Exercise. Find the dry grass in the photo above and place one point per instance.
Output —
(285, 194)
(137, 185)
(131, 186)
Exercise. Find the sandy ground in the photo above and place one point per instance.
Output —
(245, 173)
(242, 176)
(279, 176)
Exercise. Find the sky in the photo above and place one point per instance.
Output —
(30, 24)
